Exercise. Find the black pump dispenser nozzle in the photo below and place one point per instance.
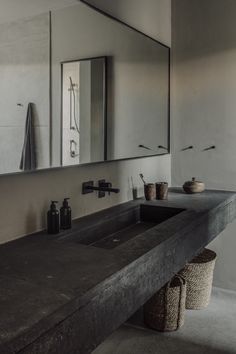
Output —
(65, 202)
(53, 205)
(53, 219)
(65, 215)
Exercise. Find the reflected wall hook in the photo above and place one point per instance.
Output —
(144, 147)
(162, 147)
(209, 148)
(187, 148)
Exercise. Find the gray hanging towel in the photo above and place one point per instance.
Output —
(28, 157)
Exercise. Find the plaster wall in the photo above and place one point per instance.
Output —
(204, 106)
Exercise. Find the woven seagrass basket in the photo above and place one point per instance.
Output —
(165, 310)
(199, 277)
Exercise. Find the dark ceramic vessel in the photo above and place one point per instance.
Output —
(162, 190)
(149, 191)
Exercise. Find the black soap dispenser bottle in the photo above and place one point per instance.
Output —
(53, 219)
(65, 215)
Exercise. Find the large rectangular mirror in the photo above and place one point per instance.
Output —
(80, 87)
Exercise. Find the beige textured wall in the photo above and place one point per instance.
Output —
(25, 198)
(204, 106)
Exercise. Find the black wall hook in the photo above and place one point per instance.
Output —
(144, 147)
(187, 148)
(162, 147)
(209, 148)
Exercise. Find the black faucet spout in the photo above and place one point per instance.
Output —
(107, 187)
(103, 187)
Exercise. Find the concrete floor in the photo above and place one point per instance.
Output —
(208, 331)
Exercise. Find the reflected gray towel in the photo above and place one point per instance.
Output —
(28, 157)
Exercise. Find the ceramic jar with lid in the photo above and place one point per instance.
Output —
(193, 186)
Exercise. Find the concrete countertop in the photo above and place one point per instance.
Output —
(59, 296)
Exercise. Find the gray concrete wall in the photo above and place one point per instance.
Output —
(12, 10)
(204, 106)
(152, 17)
(26, 196)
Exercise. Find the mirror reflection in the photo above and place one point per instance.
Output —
(79, 87)
(24, 94)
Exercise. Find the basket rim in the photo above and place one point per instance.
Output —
(206, 256)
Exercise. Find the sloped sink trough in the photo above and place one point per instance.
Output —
(125, 226)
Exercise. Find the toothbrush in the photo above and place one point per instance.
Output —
(142, 178)
(132, 182)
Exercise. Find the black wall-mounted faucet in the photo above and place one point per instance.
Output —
(103, 187)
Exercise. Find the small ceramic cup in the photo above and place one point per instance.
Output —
(149, 191)
(162, 190)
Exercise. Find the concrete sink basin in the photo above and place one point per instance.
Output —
(122, 227)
